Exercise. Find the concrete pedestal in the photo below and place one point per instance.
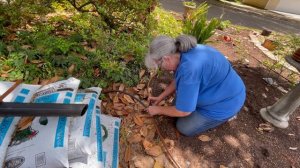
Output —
(278, 114)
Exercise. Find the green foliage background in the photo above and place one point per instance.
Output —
(44, 38)
(98, 42)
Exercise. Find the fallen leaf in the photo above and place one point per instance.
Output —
(154, 151)
(111, 96)
(104, 103)
(138, 121)
(141, 92)
(135, 89)
(142, 72)
(145, 95)
(116, 86)
(170, 100)
(140, 86)
(128, 98)
(35, 81)
(158, 164)
(71, 69)
(127, 58)
(293, 148)
(120, 113)
(10, 48)
(36, 61)
(116, 99)
(123, 100)
(6, 68)
(26, 47)
(96, 72)
(144, 131)
(143, 162)
(83, 57)
(163, 86)
(162, 103)
(118, 106)
(147, 145)
(204, 138)
(169, 144)
(44, 82)
(54, 79)
(122, 87)
(129, 109)
(89, 49)
(222, 166)
(5, 75)
(127, 154)
(151, 133)
(136, 138)
(265, 127)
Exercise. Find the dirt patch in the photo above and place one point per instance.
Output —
(237, 143)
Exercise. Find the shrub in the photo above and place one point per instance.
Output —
(196, 24)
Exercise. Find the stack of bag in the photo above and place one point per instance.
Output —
(89, 141)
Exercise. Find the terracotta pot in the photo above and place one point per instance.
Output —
(296, 55)
(269, 44)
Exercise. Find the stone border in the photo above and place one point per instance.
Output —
(269, 54)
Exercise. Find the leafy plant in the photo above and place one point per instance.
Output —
(163, 22)
(196, 24)
(224, 24)
(189, 4)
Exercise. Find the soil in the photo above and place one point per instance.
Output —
(238, 142)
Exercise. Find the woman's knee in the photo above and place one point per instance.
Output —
(184, 128)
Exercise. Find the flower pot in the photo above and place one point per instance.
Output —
(296, 55)
(269, 44)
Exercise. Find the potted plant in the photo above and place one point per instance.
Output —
(189, 6)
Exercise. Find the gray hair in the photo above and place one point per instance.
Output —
(164, 45)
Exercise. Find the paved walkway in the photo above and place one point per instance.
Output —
(248, 17)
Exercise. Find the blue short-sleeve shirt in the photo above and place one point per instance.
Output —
(206, 83)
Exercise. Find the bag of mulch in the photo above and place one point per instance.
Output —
(83, 141)
(110, 137)
(21, 94)
(95, 160)
(43, 141)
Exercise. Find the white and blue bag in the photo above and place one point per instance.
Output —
(110, 133)
(43, 141)
(21, 94)
(95, 159)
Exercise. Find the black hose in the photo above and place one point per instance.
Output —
(42, 109)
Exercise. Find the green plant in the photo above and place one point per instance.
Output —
(224, 24)
(190, 4)
(163, 22)
(197, 25)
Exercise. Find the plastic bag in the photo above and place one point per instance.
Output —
(21, 94)
(43, 141)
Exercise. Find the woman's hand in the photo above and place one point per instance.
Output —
(154, 100)
(153, 110)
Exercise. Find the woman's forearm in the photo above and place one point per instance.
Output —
(171, 111)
